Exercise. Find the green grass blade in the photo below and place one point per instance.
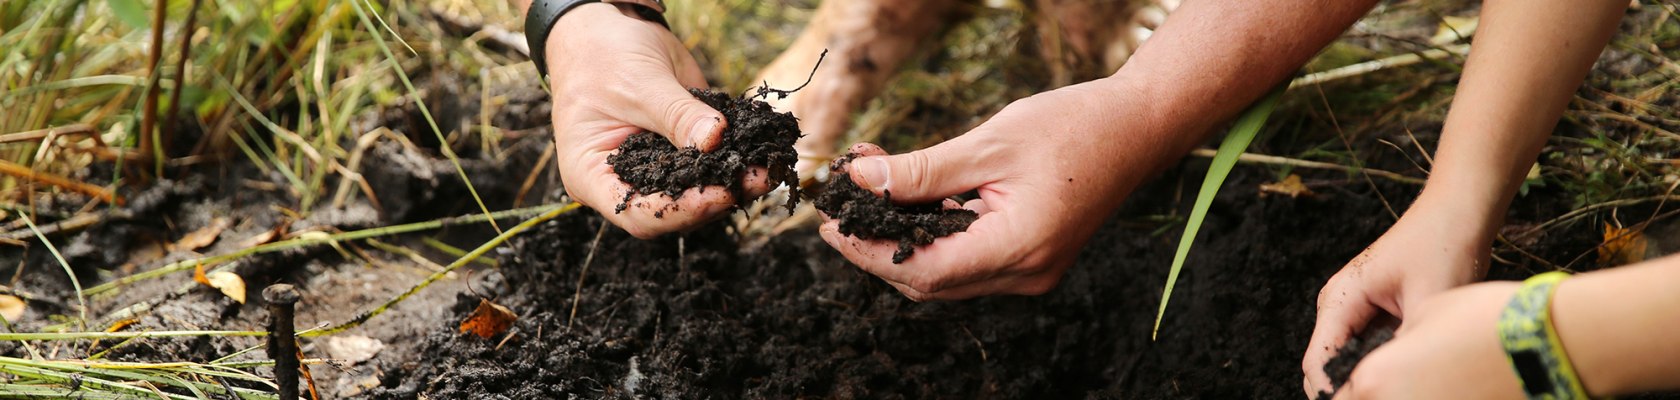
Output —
(81, 298)
(1236, 142)
(443, 142)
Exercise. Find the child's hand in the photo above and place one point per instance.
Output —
(1428, 251)
(1448, 349)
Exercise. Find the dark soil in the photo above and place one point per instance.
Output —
(756, 135)
(1340, 367)
(700, 319)
(864, 215)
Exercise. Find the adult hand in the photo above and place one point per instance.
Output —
(1448, 349)
(614, 75)
(1430, 250)
(1049, 170)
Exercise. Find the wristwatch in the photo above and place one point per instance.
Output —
(545, 13)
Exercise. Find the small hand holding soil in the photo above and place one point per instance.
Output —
(756, 135)
(1340, 368)
(864, 215)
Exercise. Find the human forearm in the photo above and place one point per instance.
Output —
(1528, 59)
(1210, 59)
(1618, 327)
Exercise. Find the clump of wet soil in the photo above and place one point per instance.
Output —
(755, 135)
(1340, 367)
(864, 215)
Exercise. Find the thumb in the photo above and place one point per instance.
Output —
(920, 176)
(672, 112)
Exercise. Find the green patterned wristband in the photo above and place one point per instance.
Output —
(1532, 345)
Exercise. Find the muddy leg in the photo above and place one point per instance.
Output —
(866, 40)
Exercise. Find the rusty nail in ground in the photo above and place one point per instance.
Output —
(282, 341)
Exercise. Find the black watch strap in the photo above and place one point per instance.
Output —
(540, 20)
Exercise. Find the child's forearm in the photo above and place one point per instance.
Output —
(1619, 326)
(1527, 60)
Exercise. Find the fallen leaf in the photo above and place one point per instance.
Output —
(229, 283)
(1621, 246)
(122, 323)
(263, 238)
(353, 348)
(201, 237)
(489, 320)
(1290, 186)
(11, 307)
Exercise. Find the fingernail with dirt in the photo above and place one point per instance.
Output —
(702, 129)
(872, 173)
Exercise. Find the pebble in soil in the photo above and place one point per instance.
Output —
(755, 135)
(1340, 367)
(864, 215)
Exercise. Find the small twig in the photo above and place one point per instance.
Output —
(81, 297)
(22, 172)
(536, 171)
(71, 224)
(38, 134)
(149, 110)
(1378, 65)
(1299, 163)
(180, 78)
(1354, 156)
(765, 91)
(577, 295)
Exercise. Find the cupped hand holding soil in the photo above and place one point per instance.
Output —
(864, 215)
(1048, 170)
(613, 76)
(757, 146)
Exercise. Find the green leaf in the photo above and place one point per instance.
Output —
(1236, 142)
(131, 12)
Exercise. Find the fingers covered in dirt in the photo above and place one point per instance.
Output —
(613, 75)
(591, 182)
(1449, 348)
(1427, 252)
(1043, 187)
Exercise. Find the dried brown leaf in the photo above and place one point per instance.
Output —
(1290, 186)
(229, 283)
(201, 237)
(489, 320)
(12, 307)
(1622, 246)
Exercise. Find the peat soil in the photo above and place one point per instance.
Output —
(691, 317)
(755, 135)
(867, 216)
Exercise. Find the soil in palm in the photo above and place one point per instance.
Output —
(755, 135)
(864, 215)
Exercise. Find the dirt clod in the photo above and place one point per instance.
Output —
(755, 135)
(1340, 367)
(864, 215)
